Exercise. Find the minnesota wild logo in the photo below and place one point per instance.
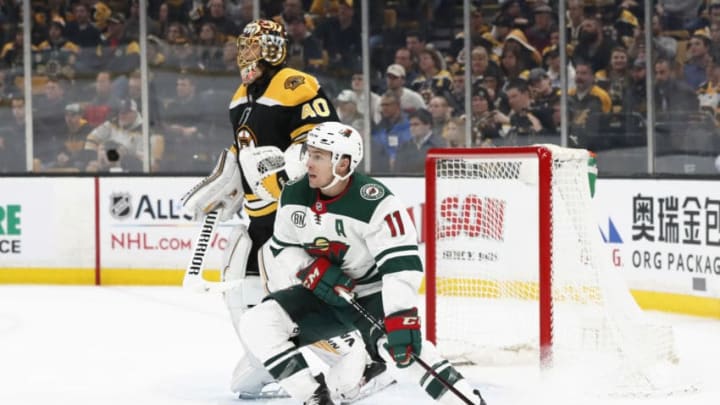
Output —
(372, 192)
(335, 251)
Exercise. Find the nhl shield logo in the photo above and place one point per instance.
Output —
(120, 206)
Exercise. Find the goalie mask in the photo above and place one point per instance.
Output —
(261, 40)
(340, 140)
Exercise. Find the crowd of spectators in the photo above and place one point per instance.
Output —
(87, 110)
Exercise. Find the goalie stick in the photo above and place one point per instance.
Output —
(351, 300)
(193, 279)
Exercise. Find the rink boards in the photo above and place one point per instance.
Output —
(664, 235)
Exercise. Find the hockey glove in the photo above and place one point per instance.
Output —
(323, 278)
(403, 336)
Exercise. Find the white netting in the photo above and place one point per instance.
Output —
(488, 264)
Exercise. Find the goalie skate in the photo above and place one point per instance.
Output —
(272, 390)
(374, 380)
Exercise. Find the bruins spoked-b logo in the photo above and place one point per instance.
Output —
(120, 206)
(372, 192)
(245, 137)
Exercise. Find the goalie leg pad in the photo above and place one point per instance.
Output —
(250, 292)
(249, 376)
(222, 189)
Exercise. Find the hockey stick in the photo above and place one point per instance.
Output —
(193, 279)
(352, 301)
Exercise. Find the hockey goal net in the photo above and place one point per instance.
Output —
(515, 269)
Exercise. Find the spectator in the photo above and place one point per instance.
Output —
(695, 68)
(587, 101)
(433, 78)
(56, 55)
(49, 117)
(69, 150)
(187, 140)
(181, 55)
(457, 95)
(616, 78)
(347, 110)
(411, 154)
(441, 112)
(518, 55)
(304, 50)
(118, 137)
(99, 108)
(229, 56)
(520, 121)
(393, 129)
(292, 9)
(134, 92)
(340, 37)
(241, 13)
(415, 43)
(409, 99)
(477, 29)
(132, 26)
(576, 15)
(12, 139)
(634, 98)
(358, 87)
(117, 52)
(484, 126)
(209, 50)
(11, 55)
(592, 45)
(455, 136)
(544, 97)
(551, 60)
(403, 57)
(672, 95)
(80, 30)
(539, 34)
(709, 92)
(216, 15)
(481, 64)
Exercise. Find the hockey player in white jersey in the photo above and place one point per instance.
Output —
(345, 231)
(270, 113)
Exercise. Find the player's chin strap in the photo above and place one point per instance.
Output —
(336, 178)
(352, 301)
(193, 279)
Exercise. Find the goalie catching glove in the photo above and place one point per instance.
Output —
(323, 278)
(403, 336)
(222, 190)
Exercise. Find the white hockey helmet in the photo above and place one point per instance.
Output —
(261, 40)
(340, 140)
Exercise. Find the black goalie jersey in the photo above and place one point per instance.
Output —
(276, 112)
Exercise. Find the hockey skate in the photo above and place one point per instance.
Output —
(321, 396)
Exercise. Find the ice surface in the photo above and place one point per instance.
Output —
(165, 346)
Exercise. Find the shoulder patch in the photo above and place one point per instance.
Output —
(293, 82)
(372, 191)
